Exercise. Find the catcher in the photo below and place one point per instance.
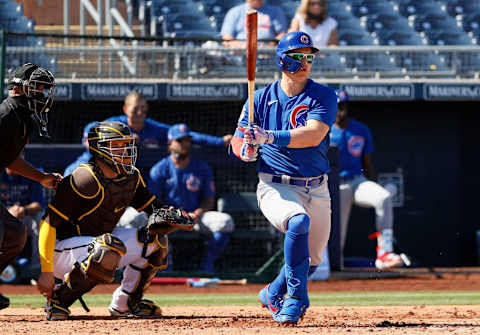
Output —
(78, 240)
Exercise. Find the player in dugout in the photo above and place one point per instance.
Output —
(292, 117)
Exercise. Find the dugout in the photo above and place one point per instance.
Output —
(431, 141)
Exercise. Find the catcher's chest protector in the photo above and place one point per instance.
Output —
(117, 195)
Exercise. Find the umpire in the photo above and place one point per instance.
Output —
(30, 96)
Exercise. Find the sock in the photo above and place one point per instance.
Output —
(279, 284)
(296, 240)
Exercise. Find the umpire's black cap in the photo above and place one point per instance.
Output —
(20, 74)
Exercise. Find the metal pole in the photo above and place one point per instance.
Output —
(66, 19)
(100, 33)
(109, 23)
(3, 42)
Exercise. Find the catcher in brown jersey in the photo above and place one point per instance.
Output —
(79, 243)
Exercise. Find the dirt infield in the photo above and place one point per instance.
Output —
(391, 320)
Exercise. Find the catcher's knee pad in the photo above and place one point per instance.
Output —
(104, 256)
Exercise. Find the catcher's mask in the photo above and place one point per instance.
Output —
(290, 42)
(114, 144)
(38, 85)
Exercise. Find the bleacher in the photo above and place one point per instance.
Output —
(13, 20)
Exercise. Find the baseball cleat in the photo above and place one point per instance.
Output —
(56, 311)
(292, 311)
(4, 301)
(389, 260)
(144, 308)
(272, 302)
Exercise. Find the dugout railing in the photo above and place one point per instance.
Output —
(95, 57)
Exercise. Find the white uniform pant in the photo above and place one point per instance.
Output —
(364, 193)
(280, 202)
(210, 222)
(75, 249)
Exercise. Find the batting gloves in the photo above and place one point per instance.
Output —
(248, 152)
(259, 136)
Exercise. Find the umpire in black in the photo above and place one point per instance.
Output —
(30, 97)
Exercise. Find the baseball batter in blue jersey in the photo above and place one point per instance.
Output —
(293, 118)
(188, 183)
(357, 182)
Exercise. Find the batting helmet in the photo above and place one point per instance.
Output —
(291, 41)
(100, 142)
(38, 85)
(342, 96)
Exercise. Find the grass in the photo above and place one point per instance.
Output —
(318, 299)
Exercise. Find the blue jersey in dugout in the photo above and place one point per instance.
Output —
(353, 142)
(184, 188)
(275, 110)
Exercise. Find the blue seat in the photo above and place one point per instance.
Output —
(428, 62)
(467, 62)
(339, 10)
(350, 23)
(375, 62)
(167, 8)
(330, 62)
(10, 10)
(424, 7)
(471, 23)
(451, 38)
(393, 38)
(434, 24)
(468, 6)
(369, 7)
(355, 37)
(189, 25)
(379, 22)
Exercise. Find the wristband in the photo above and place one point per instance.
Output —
(281, 137)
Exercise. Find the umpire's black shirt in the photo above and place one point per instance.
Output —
(16, 125)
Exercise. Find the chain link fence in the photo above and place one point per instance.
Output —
(98, 57)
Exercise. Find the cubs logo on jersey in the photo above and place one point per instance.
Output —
(193, 183)
(298, 117)
(355, 145)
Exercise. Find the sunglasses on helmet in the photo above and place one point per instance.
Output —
(301, 57)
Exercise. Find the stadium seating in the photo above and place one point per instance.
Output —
(355, 37)
(10, 10)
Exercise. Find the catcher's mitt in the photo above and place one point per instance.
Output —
(165, 220)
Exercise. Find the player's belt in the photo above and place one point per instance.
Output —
(303, 182)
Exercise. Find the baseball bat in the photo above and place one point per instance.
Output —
(251, 59)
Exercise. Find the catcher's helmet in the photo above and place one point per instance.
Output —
(342, 96)
(291, 41)
(38, 85)
(120, 158)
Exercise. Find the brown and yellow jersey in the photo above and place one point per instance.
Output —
(89, 204)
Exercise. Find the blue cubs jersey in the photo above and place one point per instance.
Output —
(184, 188)
(20, 190)
(82, 159)
(353, 142)
(274, 110)
(155, 132)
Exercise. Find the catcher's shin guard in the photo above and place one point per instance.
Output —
(157, 260)
(105, 252)
(296, 303)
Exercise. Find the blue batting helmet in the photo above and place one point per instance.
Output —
(291, 41)
(342, 96)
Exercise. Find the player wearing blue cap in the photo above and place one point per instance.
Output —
(357, 185)
(188, 183)
(293, 118)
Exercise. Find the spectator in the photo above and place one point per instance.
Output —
(312, 18)
(357, 182)
(272, 23)
(25, 200)
(182, 181)
(146, 131)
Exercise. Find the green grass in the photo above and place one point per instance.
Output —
(316, 299)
